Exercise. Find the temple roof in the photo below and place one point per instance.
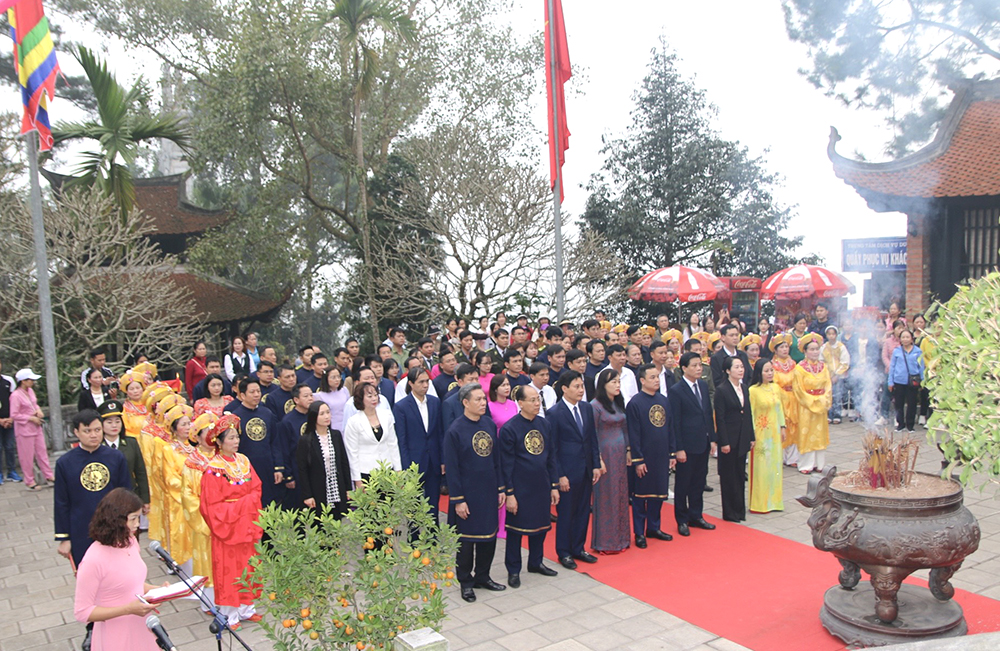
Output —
(963, 160)
(163, 200)
(220, 302)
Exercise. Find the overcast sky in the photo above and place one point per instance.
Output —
(738, 51)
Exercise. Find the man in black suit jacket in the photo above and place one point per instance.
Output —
(694, 429)
(730, 339)
(578, 465)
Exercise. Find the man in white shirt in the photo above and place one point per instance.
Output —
(658, 355)
(616, 360)
(539, 374)
(401, 385)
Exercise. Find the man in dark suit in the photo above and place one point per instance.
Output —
(578, 465)
(419, 433)
(694, 430)
(730, 339)
(111, 422)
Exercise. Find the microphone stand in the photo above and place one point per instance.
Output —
(219, 623)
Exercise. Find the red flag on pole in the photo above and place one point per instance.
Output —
(560, 69)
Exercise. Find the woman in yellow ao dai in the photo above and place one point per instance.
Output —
(813, 389)
(178, 534)
(784, 377)
(194, 469)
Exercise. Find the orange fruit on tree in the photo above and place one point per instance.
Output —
(349, 631)
(292, 623)
(307, 624)
(304, 612)
(416, 553)
(425, 560)
(360, 645)
(337, 623)
(272, 596)
(361, 617)
(388, 531)
(313, 635)
(449, 575)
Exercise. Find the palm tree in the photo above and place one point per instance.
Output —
(360, 23)
(120, 130)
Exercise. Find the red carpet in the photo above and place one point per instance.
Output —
(756, 589)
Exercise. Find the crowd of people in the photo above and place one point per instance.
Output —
(522, 426)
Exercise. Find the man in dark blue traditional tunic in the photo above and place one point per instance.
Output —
(259, 441)
(527, 457)
(279, 399)
(472, 462)
(290, 429)
(652, 446)
(84, 475)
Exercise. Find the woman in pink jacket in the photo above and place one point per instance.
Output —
(28, 431)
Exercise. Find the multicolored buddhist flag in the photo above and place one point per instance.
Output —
(35, 60)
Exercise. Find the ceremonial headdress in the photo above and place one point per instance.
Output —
(202, 422)
(752, 338)
(156, 395)
(714, 337)
(808, 337)
(176, 413)
(227, 422)
(701, 336)
(647, 330)
(143, 369)
(168, 402)
(673, 333)
(620, 328)
(606, 326)
(127, 378)
(150, 389)
(777, 340)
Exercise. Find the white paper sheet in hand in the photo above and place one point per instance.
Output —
(173, 591)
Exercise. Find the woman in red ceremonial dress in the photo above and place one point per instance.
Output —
(230, 503)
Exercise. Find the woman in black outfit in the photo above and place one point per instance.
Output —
(91, 396)
(734, 426)
(324, 473)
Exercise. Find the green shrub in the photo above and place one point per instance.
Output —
(965, 383)
(359, 581)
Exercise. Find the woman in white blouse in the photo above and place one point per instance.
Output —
(370, 436)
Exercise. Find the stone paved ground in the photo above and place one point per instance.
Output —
(571, 612)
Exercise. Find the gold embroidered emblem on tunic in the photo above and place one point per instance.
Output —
(657, 416)
(533, 442)
(95, 476)
(256, 429)
(482, 443)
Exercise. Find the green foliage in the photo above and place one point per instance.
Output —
(965, 382)
(122, 127)
(672, 191)
(896, 56)
(378, 572)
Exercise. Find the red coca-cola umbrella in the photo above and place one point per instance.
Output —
(677, 283)
(804, 280)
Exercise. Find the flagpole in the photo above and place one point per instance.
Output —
(557, 190)
(44, 296)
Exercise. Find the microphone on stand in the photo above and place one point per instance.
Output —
(157, 548)
(153, 624)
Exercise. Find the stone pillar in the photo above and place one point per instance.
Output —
(918, 263)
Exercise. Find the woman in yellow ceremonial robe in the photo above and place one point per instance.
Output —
(175, 454)
(153, 431)
(814, 391)
(134, 412)
(769, 430)
(784, 376)
(194, 468)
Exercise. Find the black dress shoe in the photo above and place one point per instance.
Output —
(568, 562)
(683, 530)
(544, 570)
(514, 580)
(702, 524)
(490, 584)
(709, 489)
(659, 535)
(640, 542)
(469, 594)
(586, 557)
